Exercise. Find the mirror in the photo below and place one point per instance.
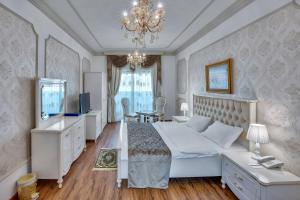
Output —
(52, 99)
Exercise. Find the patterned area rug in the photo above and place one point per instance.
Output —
(106, 160)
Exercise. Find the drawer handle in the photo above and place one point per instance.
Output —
(238, 177)
(238, 187)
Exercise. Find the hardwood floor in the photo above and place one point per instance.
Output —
(83, 183)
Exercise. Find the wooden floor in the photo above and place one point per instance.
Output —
(83, 183)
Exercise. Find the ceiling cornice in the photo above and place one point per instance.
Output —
(191, 23)
(226, 14)
(125, 52)
(42, 6)
(84, 23)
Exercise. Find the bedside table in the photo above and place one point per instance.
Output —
(180, 119)
(257, 183)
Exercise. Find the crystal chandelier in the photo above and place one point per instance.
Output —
(143, 18)
(136, 58)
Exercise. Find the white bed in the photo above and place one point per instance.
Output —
(192, 154)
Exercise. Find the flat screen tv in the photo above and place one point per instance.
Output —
(84, 103)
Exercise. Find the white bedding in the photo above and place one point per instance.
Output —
(183, 142)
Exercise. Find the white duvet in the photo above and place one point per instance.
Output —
(183, 141)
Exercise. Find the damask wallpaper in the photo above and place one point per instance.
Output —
(18, 44)
(64, 63)
(86, 65)
(181, 76)
(266, 66)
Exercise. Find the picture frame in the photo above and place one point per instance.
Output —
(219, 77)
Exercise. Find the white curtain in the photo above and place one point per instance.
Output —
(155, 82)
(113, 88)
(138, 88)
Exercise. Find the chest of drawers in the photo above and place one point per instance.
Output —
(257, 183)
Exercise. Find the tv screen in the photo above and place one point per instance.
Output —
(84, 103)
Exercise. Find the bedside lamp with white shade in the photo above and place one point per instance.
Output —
(184, 107)
(258, 134)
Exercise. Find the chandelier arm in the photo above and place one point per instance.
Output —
(128, 29)
(157, 24)
(149, 28)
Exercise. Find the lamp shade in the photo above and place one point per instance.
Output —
(258, 133)
(184, 107)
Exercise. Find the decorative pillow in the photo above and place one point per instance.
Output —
(222, 134)
(199, 123)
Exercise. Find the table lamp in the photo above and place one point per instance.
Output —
(258, 133)
(184, 107)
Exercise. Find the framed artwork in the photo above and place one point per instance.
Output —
(219, 77)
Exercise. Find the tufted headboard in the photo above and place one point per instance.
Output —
(228, 110)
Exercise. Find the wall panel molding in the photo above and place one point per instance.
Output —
(62, 62)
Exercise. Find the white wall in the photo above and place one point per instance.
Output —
(99, 64)
(43, 27)
(168, 87)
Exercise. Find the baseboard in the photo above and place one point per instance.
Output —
(8, 186)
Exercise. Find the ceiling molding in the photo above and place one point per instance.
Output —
(84, 23)
(223, 16)
(125, 52)
(42, 6)
(226, 14)
(191, 23)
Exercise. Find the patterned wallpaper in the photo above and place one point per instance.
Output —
(86, 65)
(64, 63)
(181, 76)
(266, 65)
(17, 72)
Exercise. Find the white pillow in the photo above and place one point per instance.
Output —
(199, 123)
(222, 134)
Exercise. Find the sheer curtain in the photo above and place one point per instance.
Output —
(137, 87)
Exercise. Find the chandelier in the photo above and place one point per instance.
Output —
(143, 18)
(136, 58)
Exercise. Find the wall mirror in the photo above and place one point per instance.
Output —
(52, 98)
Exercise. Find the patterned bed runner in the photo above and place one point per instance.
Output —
(149, 158)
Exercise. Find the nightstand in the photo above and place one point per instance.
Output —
(257, 183)
(180, 119)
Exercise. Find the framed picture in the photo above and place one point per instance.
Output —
(219, 77)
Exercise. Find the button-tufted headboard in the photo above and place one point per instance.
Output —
(228, 110)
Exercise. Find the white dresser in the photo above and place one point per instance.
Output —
(257, 183)
(93, 125)
(56, 147)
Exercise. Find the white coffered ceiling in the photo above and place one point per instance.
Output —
(96, 23)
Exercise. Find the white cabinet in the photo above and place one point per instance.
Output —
(66, 154)
(93, 125)
(56, 147)
(257, 183)
(78, 139)
(96, 84)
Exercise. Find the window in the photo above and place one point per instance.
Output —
(137, 87)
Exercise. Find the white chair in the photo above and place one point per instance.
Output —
(160, 103)
(126, 114)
